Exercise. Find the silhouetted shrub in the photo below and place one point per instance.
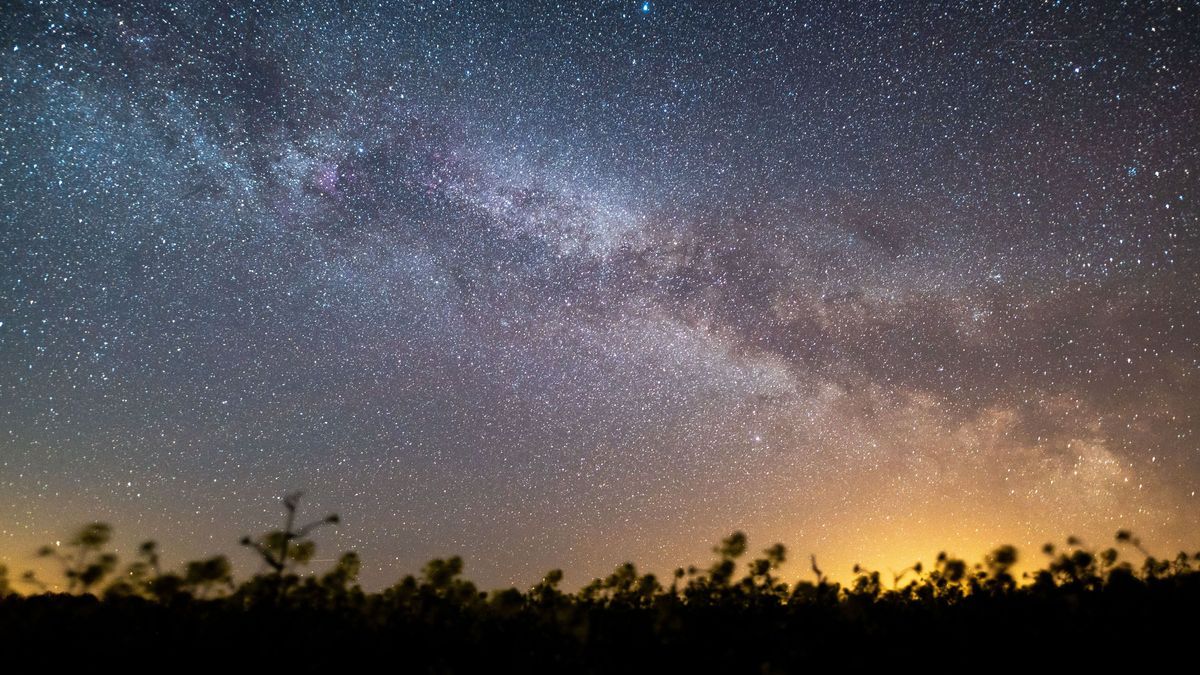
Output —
(724, 617)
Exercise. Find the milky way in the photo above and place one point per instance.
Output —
(564, 285)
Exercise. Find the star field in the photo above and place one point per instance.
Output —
(569, 284)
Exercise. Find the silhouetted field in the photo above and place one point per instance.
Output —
(1083, 607)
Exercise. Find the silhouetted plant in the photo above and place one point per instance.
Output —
(344, 573)
(866, 583)
(729, 550)
(30, 578)
(1126, 537)
(760, 577)
(623, 587)
(546, 592)
(201, 577)
(915, 568)
(438, 619)
(280, 550)
(816, 570)
(84, 562)
(999, 562)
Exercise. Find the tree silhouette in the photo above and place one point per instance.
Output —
(706, 620)
(1126, 537)
(729, 550)
(84, 562)
(202, 576)
(999, 562)
(5, 587)
(282, 549)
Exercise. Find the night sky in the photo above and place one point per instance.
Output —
(569, 284)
